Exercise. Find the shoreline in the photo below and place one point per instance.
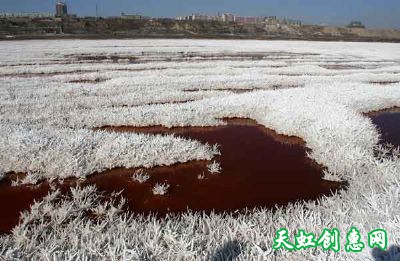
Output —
(186, 36)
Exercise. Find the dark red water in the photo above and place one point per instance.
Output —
(388, 123)
(259, 168)
(13, 200)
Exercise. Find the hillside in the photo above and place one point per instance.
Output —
(168, 28)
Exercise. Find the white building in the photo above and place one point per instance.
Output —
(227, 17)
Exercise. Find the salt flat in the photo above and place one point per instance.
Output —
(53, 94)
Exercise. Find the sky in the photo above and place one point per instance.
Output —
(373, 13)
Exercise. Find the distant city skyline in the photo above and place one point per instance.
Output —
(373, 13)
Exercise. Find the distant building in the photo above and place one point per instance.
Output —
(355, 24)
(271, 20)
(248, 20)
(200, 17)
(26, 15)
(61, 9)
(292, 22)
(203, 17)
(134, 17)
(227, 18)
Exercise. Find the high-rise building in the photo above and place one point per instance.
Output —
(61, 9)
(227, 17)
